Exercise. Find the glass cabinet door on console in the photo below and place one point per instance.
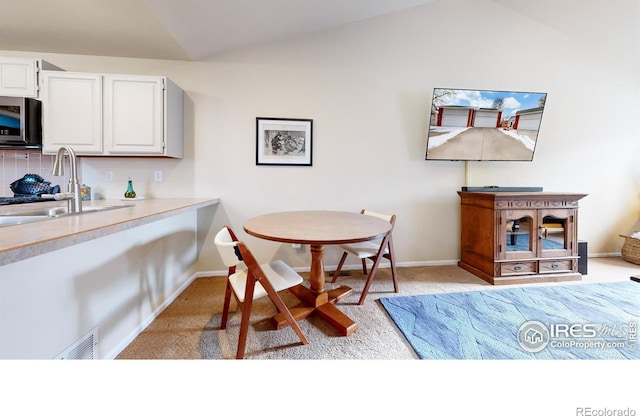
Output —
(556, 233)
(517, 238)
(536, 233)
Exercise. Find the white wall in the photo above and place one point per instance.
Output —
(368, 86)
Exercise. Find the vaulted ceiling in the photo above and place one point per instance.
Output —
(200, 29)
(173, 29)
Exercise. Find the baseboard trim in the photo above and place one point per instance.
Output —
(383, 265)
(144, 324)
(386, 265)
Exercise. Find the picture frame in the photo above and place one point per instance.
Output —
(284, 141)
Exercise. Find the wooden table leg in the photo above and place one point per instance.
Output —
(339, 293)
(316, 299)
(316, 272)
(335, 317)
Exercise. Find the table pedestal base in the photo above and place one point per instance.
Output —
(323, 305)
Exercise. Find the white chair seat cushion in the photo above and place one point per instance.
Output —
(280, 274)
(364, 249)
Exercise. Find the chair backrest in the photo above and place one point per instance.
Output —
(234, 253)
(227, 245)
(253, 266)
(389, 218)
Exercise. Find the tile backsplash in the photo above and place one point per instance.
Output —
(14, 164)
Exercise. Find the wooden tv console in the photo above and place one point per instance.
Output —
(519, 237)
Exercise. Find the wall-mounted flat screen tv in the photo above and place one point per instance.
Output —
(484, 125)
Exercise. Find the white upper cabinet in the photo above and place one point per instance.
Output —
(112, 115)
(133, 114)
(19, 76)
(72, 112)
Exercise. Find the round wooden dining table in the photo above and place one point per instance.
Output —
(318, 229)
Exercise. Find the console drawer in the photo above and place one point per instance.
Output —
(518, 267)
(554, 266)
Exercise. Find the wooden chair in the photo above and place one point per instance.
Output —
(372, 250)
(248, 280)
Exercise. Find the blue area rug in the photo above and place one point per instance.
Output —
(570, 321)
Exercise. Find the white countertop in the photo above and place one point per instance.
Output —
(19, 242)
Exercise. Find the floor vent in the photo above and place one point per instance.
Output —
(83, 349)
(341, 274)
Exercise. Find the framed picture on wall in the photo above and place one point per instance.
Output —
(283, 141)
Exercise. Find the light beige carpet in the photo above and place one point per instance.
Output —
(189, 327)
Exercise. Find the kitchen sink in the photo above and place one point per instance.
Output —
(51, 213)
(6, 220)
(61, 211)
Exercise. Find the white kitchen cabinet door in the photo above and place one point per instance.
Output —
(72, 112)
(134, 115)
(18, 77)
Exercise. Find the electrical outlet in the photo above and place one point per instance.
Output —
(108, 176)
(296, 246)
(157, 176)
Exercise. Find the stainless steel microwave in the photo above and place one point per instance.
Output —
(20, 123)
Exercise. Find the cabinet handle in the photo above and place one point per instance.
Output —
(554, 265)
(517, 267)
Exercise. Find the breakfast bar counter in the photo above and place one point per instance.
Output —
(23, 241)
(99, 277)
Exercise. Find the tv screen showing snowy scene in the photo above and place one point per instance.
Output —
(484, 125)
